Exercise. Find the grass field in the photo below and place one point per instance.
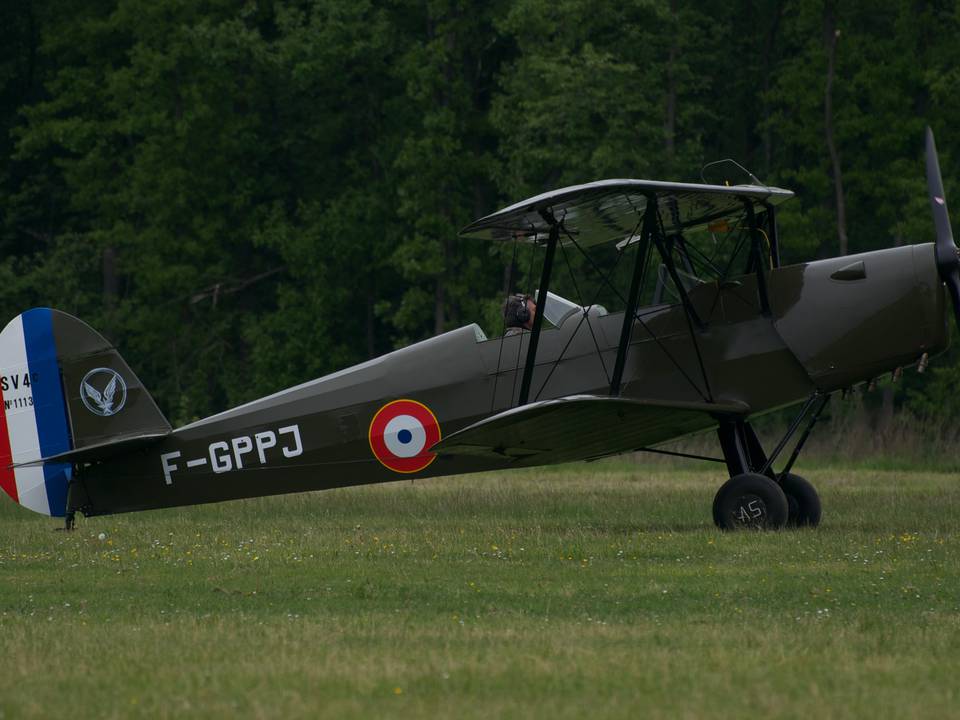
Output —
(591, 590)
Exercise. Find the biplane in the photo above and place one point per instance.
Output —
(704, 340)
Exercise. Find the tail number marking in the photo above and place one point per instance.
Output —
(17, 390)
(239, 452)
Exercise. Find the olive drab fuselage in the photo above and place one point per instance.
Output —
(830, 324)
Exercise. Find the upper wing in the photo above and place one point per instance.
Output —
(611, 210)
(580, 427)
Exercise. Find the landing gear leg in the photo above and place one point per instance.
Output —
(747, 500)
(803, 498)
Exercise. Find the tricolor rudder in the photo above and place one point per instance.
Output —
(68, 399)
(33, 421)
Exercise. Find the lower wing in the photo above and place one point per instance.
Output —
(583, 427)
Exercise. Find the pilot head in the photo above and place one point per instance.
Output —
(519, 311)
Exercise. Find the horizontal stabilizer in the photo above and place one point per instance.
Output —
(101, 451)
(582, 427)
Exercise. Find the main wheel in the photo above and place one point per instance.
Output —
(803, 501)
(750, 501)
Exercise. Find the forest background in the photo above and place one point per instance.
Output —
(246, 195)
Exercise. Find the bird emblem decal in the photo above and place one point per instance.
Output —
(111, 399)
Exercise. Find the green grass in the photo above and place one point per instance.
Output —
(596, 590)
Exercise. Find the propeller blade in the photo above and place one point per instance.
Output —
(946, 249)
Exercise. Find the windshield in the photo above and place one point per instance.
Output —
(558, 309)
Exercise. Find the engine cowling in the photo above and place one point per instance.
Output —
(849, 319)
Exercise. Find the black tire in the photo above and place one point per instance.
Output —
(750, 501)
(803, 500)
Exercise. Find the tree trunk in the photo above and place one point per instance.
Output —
(830, 36)
(438, 301)
(769, 46)
(440, 295)
(670, 120)
(108, 265)
(440, 291)
(371, 336)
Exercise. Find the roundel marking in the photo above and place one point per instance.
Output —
(401, 434)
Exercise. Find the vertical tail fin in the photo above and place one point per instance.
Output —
(63, 387)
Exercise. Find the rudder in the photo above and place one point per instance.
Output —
(63, 387)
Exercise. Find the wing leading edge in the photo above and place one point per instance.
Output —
(581, 427)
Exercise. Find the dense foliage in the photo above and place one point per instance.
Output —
(244, 195)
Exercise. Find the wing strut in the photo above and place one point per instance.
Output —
(690, 311)
(660, 241)
(637, 315)
(774, 233)
(757, 255)
(649, 223)
(541, 305)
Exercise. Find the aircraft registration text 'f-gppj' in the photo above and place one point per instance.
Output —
(710, 331)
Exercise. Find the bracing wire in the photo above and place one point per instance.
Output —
(693, 335)
(639, 317)
(503, 330)
(586, 314)
(583, 317)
